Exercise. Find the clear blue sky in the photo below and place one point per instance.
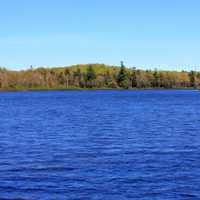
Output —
(143, 33)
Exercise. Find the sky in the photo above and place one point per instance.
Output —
(143, 33)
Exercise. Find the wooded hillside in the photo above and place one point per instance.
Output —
(95, 76)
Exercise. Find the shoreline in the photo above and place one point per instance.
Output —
(87, 89)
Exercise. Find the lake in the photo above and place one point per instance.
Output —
(100, 145)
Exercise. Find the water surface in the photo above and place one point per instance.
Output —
(100, 145)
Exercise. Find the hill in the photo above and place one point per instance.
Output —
(88, 76)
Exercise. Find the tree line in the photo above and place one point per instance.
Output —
(96, 76)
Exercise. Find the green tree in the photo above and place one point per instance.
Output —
(192, 77)
(90, 76)
(122, 77)
(133, 78)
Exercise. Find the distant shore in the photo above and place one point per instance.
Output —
(22, 89)
(96, 77)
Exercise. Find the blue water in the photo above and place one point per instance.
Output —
(100, 145)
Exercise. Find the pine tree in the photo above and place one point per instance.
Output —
(122, 77)
(133, 78)
(192, 78)
(90, 76)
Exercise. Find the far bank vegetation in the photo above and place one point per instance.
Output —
(88, 76)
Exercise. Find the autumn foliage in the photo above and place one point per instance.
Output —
(95, 76)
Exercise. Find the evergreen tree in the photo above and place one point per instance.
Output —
(90, 76)
(133, 78)
(192, 78)
(122, 78)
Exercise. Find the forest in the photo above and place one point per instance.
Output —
(95, 76)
